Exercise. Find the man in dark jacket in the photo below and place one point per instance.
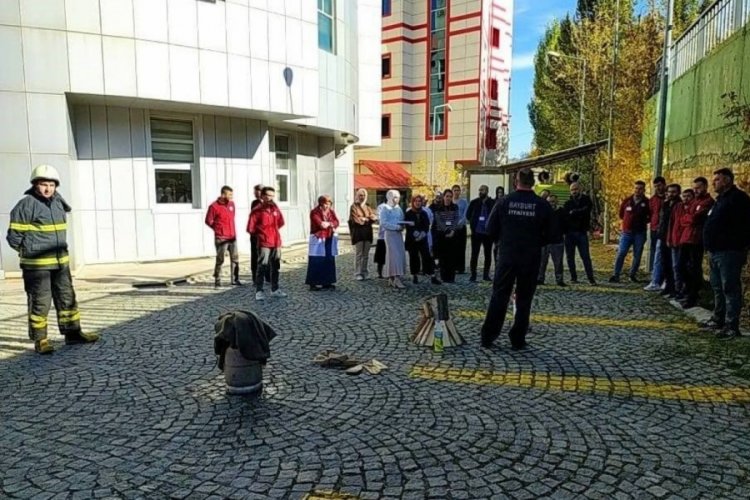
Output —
(477, 215)
(635, 214)
(220, 218)
(522, 224)
(726, 236)
(655, 249)
(38, 232)
(667, 210)
(554, 248)
(577, 212)
(257, 190)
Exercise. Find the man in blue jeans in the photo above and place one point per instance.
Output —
(635, 214)
(657, 246)
(577, 212)
(726, 236)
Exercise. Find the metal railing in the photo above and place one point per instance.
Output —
(718, 22)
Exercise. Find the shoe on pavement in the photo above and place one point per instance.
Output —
(562, 283)
(415, 280)
(614, 279)
(711, 324)
(217, 283)
(260, 296)
(473, 278)
(81, 338)
(592, 282)
(652, 287)
(237, 283)
(278, 294)
(486, 277)
(634, 279)
(519, 347)
(728, 333)
(435, 281)
(574, 281)
(359, 277)
(43, 347)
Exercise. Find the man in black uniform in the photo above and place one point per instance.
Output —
(521, 222)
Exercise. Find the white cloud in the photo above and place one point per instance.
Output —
(523, 61)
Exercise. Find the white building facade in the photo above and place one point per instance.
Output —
(148, 107)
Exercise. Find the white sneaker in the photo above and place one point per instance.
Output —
(359, 277)
(260, 296)
(652, 287)
(278, 294)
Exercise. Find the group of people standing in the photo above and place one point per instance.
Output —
(683, 225)
(434, 236)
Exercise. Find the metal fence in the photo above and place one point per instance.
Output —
(717, 23)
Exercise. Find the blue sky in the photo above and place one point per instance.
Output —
(531, 17)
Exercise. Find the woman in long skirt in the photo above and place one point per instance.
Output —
(321, 264)
(392, 222)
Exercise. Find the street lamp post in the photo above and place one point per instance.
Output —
(663, 91)
(434, 133)
(553, 53)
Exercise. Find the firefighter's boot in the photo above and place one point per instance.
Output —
(43, 347)
(81, 337)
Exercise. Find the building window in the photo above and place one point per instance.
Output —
(438, 41)
(495, 37)
(386, 8)
(493, 89)
(285, 168)
(386, 66)
(385, 126)
(173, 153)
(326, 25)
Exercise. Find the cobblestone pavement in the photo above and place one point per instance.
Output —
(597, 408)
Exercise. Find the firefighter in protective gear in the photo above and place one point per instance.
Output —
(38, 233)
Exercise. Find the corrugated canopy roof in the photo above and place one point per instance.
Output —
(385, 175)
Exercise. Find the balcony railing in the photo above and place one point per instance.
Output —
(718, 22)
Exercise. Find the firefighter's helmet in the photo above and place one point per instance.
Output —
(45, 173)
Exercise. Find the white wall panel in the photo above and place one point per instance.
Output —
(239, 80)
(152, 61)
(144, 223)
(191, 234)
(16, 169)
(83, 16)
(259, 34)
(11, 59)
(105, 235)
(183, 22)
(184, 74)
(45, 60)
(119, 66)
(48, 123)
(117, 17)
(213, 78)
(212, 26)
(150, 20)
(10, 12)
(238, 31)
(260, 86)
(126, 235)
(13, 123)
(85, 63)
(141, 186)
(49, 14)
(87, 220)
(167, 235)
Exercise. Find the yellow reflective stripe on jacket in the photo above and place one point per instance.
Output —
(64, 317)
(37, 322)
(45, 261)
(45, 228)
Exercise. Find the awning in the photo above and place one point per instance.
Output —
(385, 175)
(543, 160)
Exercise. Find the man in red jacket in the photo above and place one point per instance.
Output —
(691, 251)
(635, 214)
(654, 262)
(220, 218)
(264, 223)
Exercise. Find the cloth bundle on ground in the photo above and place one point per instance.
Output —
(245, 331)
(350, 364)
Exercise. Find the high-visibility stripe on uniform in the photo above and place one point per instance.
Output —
(65, 317)
(45, 228)
(45, 261)
(37, 322)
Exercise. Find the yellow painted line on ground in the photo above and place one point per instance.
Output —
(327, 495)
(593, 289)
(586, 385)
(593, 321)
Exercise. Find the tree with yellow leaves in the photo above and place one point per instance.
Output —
(443, 177)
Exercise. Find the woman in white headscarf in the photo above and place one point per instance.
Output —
(392, 222)
(361, 217)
